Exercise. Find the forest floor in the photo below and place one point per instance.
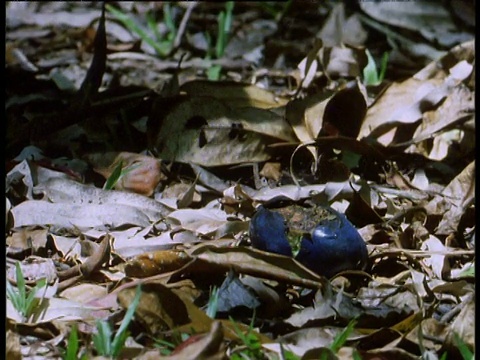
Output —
(142, 136)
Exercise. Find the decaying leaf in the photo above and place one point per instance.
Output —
(153, 263)
(205, 131)
(139, 173)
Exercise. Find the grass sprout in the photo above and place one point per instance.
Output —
(371, 75)
(24, 300)
(108, 344)
(163, 45)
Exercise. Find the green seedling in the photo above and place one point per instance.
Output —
(463, 348)
(277, 10)
(117, 174)
(468, 272)
(251, 342)
(105, 343)
(340, 341)
(24, 300)
(371, 75)
(71, 352)
(72, 345)
(342, 337)
(163, 45)
(166, 347)
(212, 304)
(224, 21)
(224, 26)
(114, 177)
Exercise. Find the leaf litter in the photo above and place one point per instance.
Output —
(187, 160)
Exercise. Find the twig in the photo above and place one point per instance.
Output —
(183, 24)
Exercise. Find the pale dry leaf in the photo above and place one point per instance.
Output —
(210, 180)
(202, 221)
(306, 116)
(21, 175)
(432, 20)
(437, 260)
(407, 102)
(71, 216)
(302, 340)
(34, 268)
(128, 247)
(83, 293)
(457, 108)
(342, 62)
(463, 325)
(68, 247)
(309, 64)
(74, 193)
(384, 291)
(188, 196)
(56, 309)
(23, 239)
(454, 200)
(327, 304)
(272, 171)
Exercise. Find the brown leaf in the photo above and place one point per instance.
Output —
(202, 347)
(157, 262)
(141, 173)
(235, 94)
(454, 201)
(93, 262)
(463, 326)
(204, 131)
(12, 345)
(159, 309)
(253, 262)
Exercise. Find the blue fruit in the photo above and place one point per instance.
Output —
(333, 246)
(268, 232)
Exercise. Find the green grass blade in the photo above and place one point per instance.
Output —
(152, 25)
(103, 339)
(133, 27)
(370, 74)
(224, 25)
(72, 346)
(21, 287)
(463, 348)
(121, 334)
(220, 45)
(32, 300)
(213, 72)
(119, 342)
(228, 17)
(341, 338)
(168, 19)
(14, 297)
(114, 177)
(383, 66)
(212, 305)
